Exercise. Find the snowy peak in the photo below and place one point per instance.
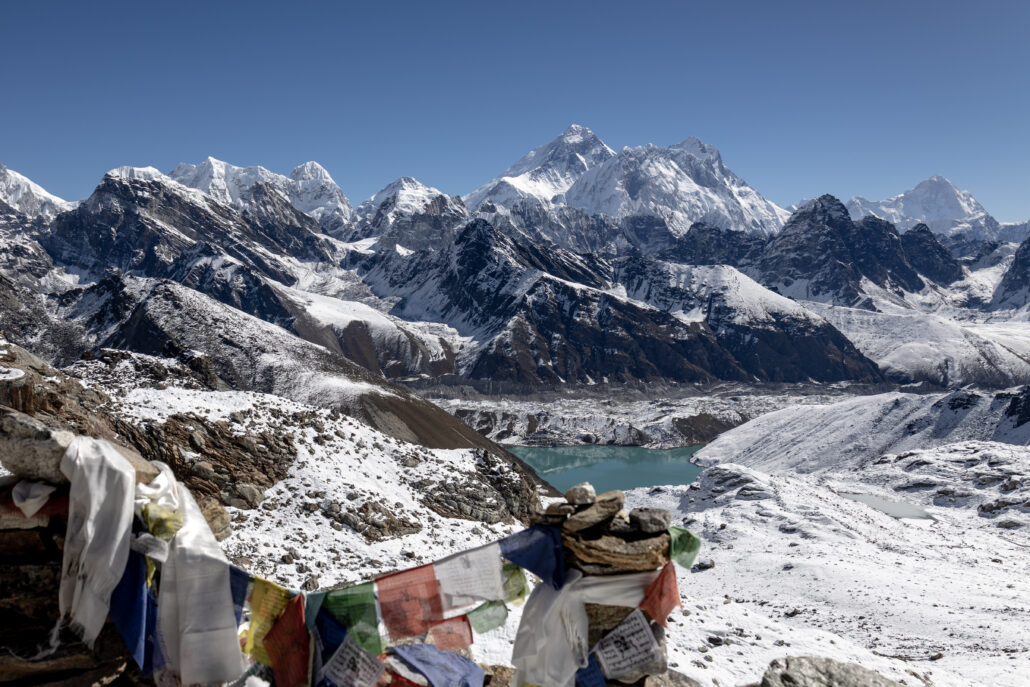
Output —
(546, 171)
(936, 202)
(682, 183)
(405, 196)
(28, 197)
(309, 187)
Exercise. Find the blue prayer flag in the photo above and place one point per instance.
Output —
(538, 550)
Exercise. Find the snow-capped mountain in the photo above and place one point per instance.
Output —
(682, 184)
(28, 197)
(937, 203)
(408, 214)
(546, 171)
(309, 188)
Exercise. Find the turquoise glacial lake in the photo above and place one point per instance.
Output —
(610, 467)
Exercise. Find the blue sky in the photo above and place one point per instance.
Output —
(802, 98)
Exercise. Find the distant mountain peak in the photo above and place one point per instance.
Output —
(546, 171)
(309, 187)
(936, 202)
(28, 197)
(696, 147)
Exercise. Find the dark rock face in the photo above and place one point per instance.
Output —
(931, 259)
(822, 254)
(1014, 289)
(706, 244)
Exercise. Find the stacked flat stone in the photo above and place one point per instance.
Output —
(601, 538)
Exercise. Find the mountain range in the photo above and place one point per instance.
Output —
(577, 265)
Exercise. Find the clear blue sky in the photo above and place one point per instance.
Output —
(802, 98)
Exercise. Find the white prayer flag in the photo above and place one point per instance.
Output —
(628, 647)
(352, 666)
(471, 577)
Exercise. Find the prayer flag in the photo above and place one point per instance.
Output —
(355, 609)
(239, 585)
(683, 546)
(312, 605)
(134, 614)
(515, 585)
(330, 632)
(441, 668)
(352, 666)
(538, 550)
(452, 634)
(628, 647)
(662, 595)
(267, 602)
(288, 644)
(591, 676)
(470, 577)
(488, 616)
(409, 601)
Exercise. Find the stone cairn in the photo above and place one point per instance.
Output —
(600, 538)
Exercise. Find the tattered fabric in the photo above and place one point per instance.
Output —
(683, 546)
(441, 668)
(134, 614)
(662, 596)
(409, 601)
(551, 643)
(197, 625)
(288, 644)
(538, 549)
(356, 609)
(96, 545)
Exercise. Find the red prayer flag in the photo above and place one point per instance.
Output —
(662, 595)
(409, 601)
(288, 644)
(452, 634)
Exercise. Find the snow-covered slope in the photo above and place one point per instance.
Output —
(309, 188)
(683, 184)
(937, 203)
(28, 197)
(945, 598)
(408, 215)
(911, 345)
(546, 171)
(815, 438)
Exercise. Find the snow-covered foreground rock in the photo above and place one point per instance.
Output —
(397, 494)
(939, 601)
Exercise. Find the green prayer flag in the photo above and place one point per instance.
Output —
(683, 546)
(488, 616)
(355, 609)
(515, 585)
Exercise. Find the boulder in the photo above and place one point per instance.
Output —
(604, 508)
(582, 494)
(808, 671)
(650, 520)
(30, 448)
(609, 555)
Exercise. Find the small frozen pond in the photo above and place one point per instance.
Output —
(611, 467)
(891, 508)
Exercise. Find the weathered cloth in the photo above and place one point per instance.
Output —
(356, 609)
(29, 496)
(591, 676)
(267, 602)
(662, 596)
(288, 644)
(684, 546)
(441, 668)
(551, 643)
(134, 614)
(409, 601)
(196, 621)
(538, 549)
(96, 545)
(470, 577)
(452, 634)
